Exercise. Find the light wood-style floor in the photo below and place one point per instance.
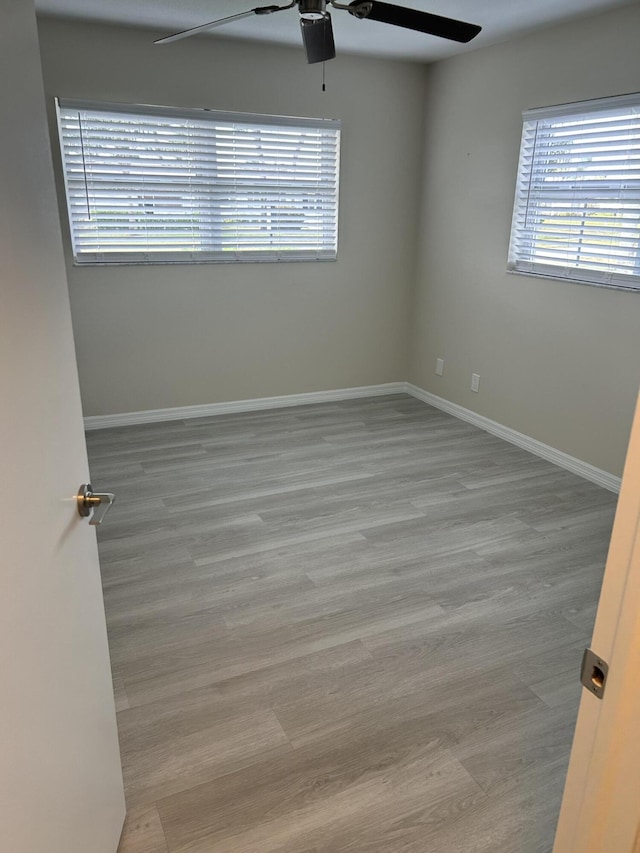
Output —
(343, 628)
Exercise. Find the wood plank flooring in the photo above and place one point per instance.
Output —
(344, 628)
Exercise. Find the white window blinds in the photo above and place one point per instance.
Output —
(577, 205)
(155, 184)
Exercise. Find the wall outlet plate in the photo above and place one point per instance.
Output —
(475, 382)
(440, 366)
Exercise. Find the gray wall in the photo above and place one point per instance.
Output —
(160, 336)
(558, 361)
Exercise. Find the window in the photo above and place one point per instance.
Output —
(162, 185)
(577, 206)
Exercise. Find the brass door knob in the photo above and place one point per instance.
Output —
(93, 505)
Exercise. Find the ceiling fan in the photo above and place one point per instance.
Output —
(317, 31)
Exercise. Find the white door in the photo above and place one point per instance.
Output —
(60, 778)
(601, 805)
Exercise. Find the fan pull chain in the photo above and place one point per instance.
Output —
(324, 88)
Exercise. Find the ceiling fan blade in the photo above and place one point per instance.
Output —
(317, 37)
(259, 10)
(413, 19)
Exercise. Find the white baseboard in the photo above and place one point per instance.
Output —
(151, 416)
(563, 460)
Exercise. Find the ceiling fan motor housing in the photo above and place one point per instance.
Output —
(312, 10)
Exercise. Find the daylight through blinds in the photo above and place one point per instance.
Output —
(152, 184)
(577, 206)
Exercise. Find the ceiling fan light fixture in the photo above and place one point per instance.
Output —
(317, 38)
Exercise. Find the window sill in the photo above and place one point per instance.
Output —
(206, 261)
(566, 279)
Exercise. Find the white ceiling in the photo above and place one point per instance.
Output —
(500, 19)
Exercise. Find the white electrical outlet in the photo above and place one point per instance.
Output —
(475, 381)
(440, 366)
